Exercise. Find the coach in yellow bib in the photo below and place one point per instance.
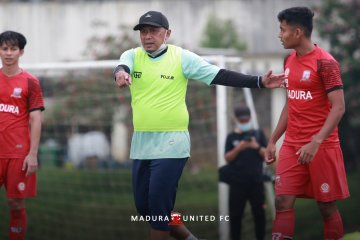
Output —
(158, 92)
(157, 75)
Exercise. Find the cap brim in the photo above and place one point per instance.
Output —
(140, 26)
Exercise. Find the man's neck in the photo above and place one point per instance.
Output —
(11, 70)
(304, 48)
(158, 52)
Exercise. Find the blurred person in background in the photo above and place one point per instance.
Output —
(244, 154)
(21, 106)
(157, 74)
(310, 163)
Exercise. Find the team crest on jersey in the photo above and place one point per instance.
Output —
(305, 76)
(16, 93)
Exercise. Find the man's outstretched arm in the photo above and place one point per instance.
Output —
(236, 79)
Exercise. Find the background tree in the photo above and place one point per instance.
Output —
(110, 46)
(84, 100)
(221, 34)
(339, 22)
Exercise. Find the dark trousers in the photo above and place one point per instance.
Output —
(155, 184)
(238, 196)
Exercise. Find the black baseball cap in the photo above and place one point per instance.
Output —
(152, 18)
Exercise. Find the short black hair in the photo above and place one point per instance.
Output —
(13, 38)
(242, 111)
(298, 16)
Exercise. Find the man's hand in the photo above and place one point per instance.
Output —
(270, 80)
(270, 153)
(248, 144)
(253, 143)
(123, 79)
(307, 152)
(30, 164)
(242, 145)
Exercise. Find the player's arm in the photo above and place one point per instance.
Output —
(329, 72)
(236, 79)
(122, 73)
(270, 152)
(308, 151)
(31, 161)
(197, 68)
(337, 110)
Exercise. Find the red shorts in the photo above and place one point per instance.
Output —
(13, 177)
(324, 179)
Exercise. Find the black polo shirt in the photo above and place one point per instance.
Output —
(248, 163)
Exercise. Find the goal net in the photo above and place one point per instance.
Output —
(84, 180)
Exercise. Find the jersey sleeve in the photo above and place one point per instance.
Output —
(329, 72)
(196, 68)
(127, 58)
(285, 60)
(35, 100)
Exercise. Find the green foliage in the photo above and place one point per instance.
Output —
(82, 100)
(339, 23)
(110, 46)
(221, 34)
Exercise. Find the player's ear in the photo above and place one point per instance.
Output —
(299, 32)
(168, 33)
(21, 52)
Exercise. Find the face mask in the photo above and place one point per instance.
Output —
(159, 50)
(244, 127)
